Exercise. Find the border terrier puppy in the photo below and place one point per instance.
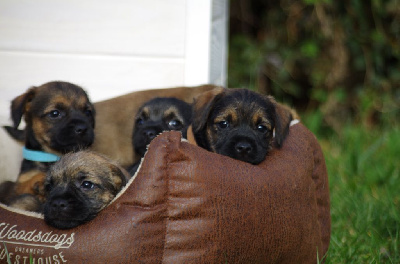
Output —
(155, 116)
(59, 119)
(79, 186)
(240, 123)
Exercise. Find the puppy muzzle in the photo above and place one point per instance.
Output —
(244, 148)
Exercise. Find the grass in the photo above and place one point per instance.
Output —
(8, 256)
(364, 175)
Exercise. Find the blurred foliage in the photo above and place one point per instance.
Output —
(364, 171)
(338, 61)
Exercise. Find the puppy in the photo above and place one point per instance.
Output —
(59, 119)
(155, 116)
(239, 123)
(79, 186)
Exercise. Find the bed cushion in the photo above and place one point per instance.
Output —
(187, 205)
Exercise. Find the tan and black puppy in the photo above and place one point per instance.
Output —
(158, 115)
(79, 186)
(239, 123)
(59, 119)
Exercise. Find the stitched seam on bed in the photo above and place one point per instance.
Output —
(167, 193)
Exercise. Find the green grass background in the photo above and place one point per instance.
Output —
(363, 167)
(337, 63)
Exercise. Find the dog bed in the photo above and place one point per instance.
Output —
(187, 205)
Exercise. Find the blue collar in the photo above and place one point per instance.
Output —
(41, 156)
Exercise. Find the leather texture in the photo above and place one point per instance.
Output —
(188, 205)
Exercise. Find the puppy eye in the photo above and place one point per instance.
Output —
(139, 121)
(54, 114)
(174, 124)
(87, 185)
(88, 112)
(48, 186)
(223, 124)
(262, 129)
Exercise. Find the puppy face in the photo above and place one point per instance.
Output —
(158, 115)
(59, 118)
(239, 123)
(79, 186)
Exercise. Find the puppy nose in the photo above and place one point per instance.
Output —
(81, 129)
(59, 204)
(150, 133)
(243, 147)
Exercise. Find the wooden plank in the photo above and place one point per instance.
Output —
(206, 42)
(152, 28)
(10, 154)
(219, 42)
(102, 76)
(197, 42)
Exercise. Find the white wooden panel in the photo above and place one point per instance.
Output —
(102, 77)
(219, 42)
(206, 42)
(145, 27)
(10, 154)
(197, 35)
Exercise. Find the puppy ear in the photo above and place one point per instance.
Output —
(202, 106)
(283, 116)
(93, 109)
(119, 176)
(20, 105)
(15, 133)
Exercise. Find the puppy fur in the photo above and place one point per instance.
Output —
(79, 186)
(59, 119)
(240, 123)
(115, 120)
(158, 115)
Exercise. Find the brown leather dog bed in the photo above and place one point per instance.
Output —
(187, 205)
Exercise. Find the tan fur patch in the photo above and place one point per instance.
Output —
(211, 138)
(81, 102)
(106, 197)
(260, 119)
(57, 101)
(40, 129)
(27, 176)
(145, 112)
(173, 112)
(229, 114)
(30, 182)
(190, 136)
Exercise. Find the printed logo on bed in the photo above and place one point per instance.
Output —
(32, 244)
